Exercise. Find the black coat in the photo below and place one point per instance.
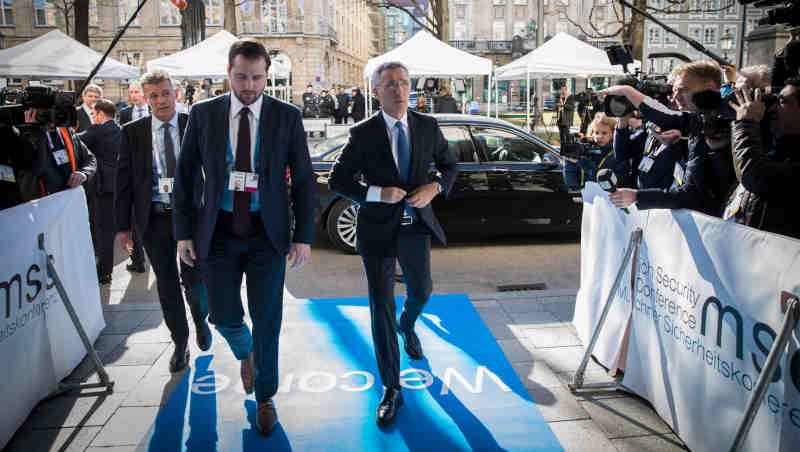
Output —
(358, 107)
(769, 200)
(368, 153)
(446, 104)
(84, 121)
(135, 173)
(283, 145)
(343, 99)
(103, 140)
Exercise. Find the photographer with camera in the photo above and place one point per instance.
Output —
(566, 110)
(653, 154)
(587, 103)
(61, 160)
(598, 154)
(765, 197)
(706, 178)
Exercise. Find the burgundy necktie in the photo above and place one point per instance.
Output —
(241, 199)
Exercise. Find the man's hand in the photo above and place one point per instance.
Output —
(75, 179)
(423, 195)
(392, 195)
(125, 240)
(668, 137)
(623, 197)
(299, 255)
(748, 109)
(186, 252)
(30, 116)
(729, 71)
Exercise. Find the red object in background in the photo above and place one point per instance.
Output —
(180, 4)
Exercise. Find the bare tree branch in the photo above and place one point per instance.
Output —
(389, 5)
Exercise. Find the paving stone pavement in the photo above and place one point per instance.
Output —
(533, 328)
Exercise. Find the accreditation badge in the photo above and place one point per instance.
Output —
(251, 182)
(61, 157)
(7, 174)
(678, 173)
(734, 204)
(646, 163)
(165, 185)
(237, 181)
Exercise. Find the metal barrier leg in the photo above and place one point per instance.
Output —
(764, 378)
(105, 382)
(577, 379)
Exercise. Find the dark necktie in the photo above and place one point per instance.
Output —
(169, 151)
(241, 199)
(403, 161)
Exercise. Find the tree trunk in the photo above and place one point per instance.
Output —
(636, 32)
(81, 10)
(444, 20)
(193, 23)
(230, 23)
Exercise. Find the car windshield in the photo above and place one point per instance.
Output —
(330, 143)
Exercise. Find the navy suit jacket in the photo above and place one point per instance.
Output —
(135, 173)
(368, 153)
(283, 144)
(104, 141)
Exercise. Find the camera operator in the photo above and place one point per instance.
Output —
(787, 60)
(61, 160)
(706, 178)
(766, 197)
(578, 171)
(653, 155)
(566, 111)
(587, 103)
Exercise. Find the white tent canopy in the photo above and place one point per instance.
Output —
(561, 57)
(206, 59)
(57, 56)
(423, 54)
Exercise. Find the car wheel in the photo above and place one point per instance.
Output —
(342, 221)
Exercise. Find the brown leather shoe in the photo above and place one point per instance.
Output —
(248, 373)
(267, 417)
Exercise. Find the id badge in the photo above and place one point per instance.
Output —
(61, 156)
(7, 174)
(734, 205)
(165, 185)
(646, 164)
(678, 173)
(251, 182)
(237, 181)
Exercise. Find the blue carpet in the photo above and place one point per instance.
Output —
(463, 396)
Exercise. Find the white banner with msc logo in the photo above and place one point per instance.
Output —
(704, 313)
(39, 345)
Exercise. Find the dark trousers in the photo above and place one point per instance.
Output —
(137, 255)
(101, 219)
(414, 255)
(162, 249)
(229, 258)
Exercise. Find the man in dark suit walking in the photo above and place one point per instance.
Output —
(342, 99)
(138, 107)
(394, 151)
(243, 142)
(147, 163)
(103, 139)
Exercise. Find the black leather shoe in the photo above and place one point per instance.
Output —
(203, 333)
(180, 359)
(412, 344)
(104, 279)
(387, 409)
(136, 267)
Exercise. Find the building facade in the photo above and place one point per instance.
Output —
(322, 41)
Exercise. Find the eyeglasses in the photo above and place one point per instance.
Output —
(394, 84)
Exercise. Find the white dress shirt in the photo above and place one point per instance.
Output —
(374, 191)
(88, 111)
(254, 116)
(158, 150)
(139, 112)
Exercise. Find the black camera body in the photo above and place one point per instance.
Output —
(54, 106)
(189, 94)
(618, 106)
(715, 115)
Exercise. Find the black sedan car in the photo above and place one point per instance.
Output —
(509, 182)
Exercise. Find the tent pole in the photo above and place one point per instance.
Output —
(368, 107)
(496, 99)
(489, 97)
(528, 101)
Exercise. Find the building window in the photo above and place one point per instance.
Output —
(669, 38)
(461, 12)
(45, 14)
(696, 32)
(168, 13)
(695, 8)
(131, 58)
(213, 12)
(520, 2)
(520, 12)
(499, 13)
(274, 16)
(7, 12)
(94, 19)
(733, 9)
(459, 30)
(499, 30)
(125, 9)
(499, 2)
(730, 31)
(654, 36)
(710, 36)
(561, 27)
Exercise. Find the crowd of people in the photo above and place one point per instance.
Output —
(734, 162)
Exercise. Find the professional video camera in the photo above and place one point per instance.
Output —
(53, 106)
(575, 148)
(788, 14)
(617, 106)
